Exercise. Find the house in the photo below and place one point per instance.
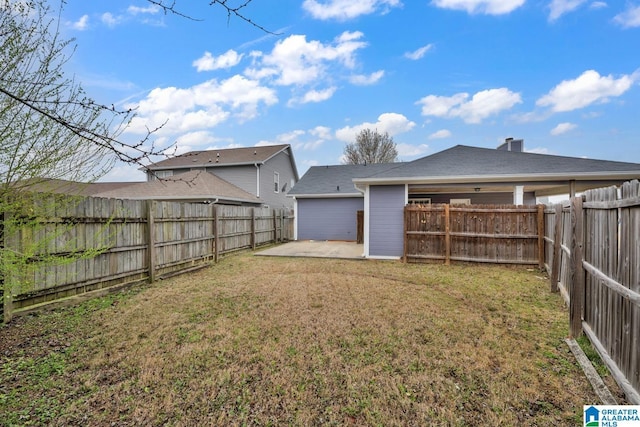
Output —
(266, 172)
(461, 174)
(192, 186)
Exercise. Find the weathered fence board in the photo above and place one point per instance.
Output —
(479, 233)
(80, 246)
(606, 288)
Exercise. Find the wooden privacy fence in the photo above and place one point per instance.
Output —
(594, 259)
(502, 234)
(68, 247)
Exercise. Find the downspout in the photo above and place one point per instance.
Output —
(257, 179)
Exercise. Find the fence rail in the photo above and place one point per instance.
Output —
(503, 234)
(594, 261)
(77, 248)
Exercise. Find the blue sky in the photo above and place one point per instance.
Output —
(564, 75)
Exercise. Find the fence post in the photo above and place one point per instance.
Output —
(577, 271)
(216, 246)
(253, 229)
(151, 241)
(541, 237)
(275, 226)
(557, 241)
(447, 234)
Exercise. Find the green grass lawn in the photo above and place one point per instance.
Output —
(280, 341)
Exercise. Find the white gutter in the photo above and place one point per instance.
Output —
(325, 195)
(360, 189)
(617, 175)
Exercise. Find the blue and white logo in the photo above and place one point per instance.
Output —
(611, 415)
(592, 417)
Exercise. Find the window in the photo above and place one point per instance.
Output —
(460, 201)
(276, 182)
(162, 174)
(423, 201)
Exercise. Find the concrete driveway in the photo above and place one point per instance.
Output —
(316, 249)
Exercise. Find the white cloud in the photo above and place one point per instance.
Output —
(408, 150)
(296, 61)
(343, 10)
(81, 24)
(441, 134)
(202, 106)
(418, 53)
(194, 141)
(590, 87)
(289, 137)
(208, 62)
(317, 95)
(141, 14)
(110, 20)
(598, 5)
(363, 80)
(150, 10)
(393, 123)
(630, 18)
(302, 140)
(483, 104)
(321, 132)
(560, 7)
(487, 7)
(563, 128)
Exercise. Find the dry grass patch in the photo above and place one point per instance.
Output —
(278, 341)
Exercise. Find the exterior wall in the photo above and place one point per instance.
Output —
(280, 163)
(386, 220)
(244, 177)
(482, 198)
(328, 219)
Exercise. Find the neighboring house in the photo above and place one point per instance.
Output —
(266, 172)
(194, 186)
(461, 174)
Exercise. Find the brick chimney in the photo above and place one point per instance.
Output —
(511, 144)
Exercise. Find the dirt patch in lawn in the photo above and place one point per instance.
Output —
(272, 341)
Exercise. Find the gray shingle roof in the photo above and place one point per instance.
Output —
(456, 162)
(463, 160)
(193, 185)
(336, 180)
(223, 157)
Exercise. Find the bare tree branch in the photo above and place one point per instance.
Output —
(237, 11)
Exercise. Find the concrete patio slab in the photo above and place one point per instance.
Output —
(316, 249)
